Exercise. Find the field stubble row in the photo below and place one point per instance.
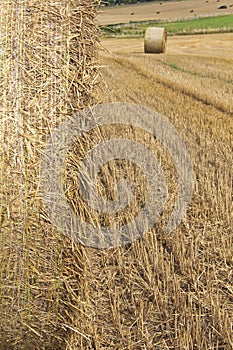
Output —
(183, 295)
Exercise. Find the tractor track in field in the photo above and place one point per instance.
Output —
(134, 68)
(191, 86)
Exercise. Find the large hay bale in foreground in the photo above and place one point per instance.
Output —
(155, 40)
(47, 72)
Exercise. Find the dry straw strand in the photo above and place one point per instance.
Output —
(48, 70)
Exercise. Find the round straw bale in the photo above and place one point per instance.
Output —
(155, 40)
(48, 71)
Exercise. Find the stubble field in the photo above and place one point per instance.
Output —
(164, 10)
(177, 289)
(162, 291)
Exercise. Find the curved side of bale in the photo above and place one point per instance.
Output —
(48, 70)
(155, 40)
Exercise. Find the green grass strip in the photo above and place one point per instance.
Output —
(217, 24)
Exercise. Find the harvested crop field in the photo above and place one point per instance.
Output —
(182, 298)
(163, 10)
(209, 45)
(163, 290)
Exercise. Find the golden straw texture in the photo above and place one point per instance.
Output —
(48, 70)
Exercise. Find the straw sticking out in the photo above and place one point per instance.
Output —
(48, 71)
(155, 40)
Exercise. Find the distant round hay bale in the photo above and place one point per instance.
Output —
(155, 40)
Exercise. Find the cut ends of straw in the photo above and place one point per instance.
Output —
(155, 40)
